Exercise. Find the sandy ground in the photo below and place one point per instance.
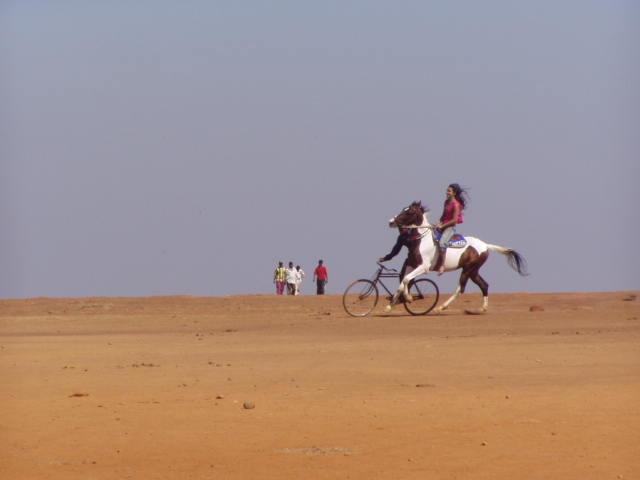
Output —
(269, 387)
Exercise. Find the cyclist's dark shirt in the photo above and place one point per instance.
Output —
(402, 241)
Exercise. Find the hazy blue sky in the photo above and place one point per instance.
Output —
(165, 147)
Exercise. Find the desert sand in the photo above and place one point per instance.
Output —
(282, 387)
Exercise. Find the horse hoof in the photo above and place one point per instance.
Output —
(387, 309)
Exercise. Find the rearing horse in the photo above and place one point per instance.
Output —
(424, 253)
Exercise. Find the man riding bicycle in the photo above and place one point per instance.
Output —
(403, 240)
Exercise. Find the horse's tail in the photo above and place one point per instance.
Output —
(515, 260)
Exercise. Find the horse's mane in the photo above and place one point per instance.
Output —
(424, 208)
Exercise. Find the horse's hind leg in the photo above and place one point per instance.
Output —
(464, 276)
(474, 274)
(471, 261)
(484, 286)
(446, 304)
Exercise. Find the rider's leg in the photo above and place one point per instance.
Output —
(443, 257)
(444, 243)
(403, 270)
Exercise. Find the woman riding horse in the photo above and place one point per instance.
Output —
(423, 256)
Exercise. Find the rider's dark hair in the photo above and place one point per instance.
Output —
(461, 194)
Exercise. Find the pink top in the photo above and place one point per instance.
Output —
(448, 212)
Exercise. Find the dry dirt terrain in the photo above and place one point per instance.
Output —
(278, 387)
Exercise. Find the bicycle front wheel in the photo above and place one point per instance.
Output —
(425, 296)
(360, 298)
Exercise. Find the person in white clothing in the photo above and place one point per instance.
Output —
(300, 276)
(292, 279)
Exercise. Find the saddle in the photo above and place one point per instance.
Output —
(457, 241)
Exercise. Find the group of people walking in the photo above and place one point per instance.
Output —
(291, 278)
(288, 277)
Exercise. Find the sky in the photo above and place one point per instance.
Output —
(185, 147)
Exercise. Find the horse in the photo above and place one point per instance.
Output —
(424, 253)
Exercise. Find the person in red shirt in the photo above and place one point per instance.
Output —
(321, 276)
(451, 216)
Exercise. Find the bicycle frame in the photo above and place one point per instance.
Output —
(384, 272)
(361, 297)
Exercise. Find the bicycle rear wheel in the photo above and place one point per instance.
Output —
(360, 298)
(425, 296)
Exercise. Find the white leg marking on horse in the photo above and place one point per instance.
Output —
(452, 299)
(485, 304)
(407, 297)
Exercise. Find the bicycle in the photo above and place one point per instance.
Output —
(361, 297)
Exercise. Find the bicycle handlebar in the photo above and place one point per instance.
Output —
(387, 269)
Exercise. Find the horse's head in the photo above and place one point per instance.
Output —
(412, 216)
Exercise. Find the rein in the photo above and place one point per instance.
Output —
(416, 226)
(417, 237)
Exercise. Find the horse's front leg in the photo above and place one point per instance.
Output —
(403, 288)
(396, 296)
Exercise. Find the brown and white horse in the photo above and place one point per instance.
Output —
(424, 253)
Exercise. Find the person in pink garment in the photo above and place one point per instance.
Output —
(279, 277)
(455, 203)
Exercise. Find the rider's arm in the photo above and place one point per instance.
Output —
(394, 251)
(444, 213)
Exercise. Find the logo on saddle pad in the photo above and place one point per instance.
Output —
(457, 241)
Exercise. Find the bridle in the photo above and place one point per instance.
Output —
(427, 227)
